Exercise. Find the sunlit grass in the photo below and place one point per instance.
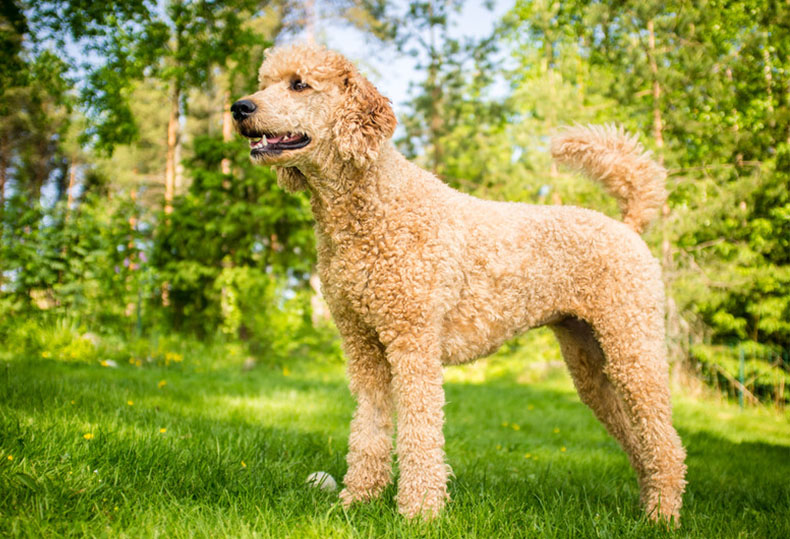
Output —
(223, 451)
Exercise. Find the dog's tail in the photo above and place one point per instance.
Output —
(616, 159)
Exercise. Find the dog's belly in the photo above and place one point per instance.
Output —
(485, 318)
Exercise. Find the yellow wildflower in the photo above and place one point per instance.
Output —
(72, 402)
(163, 430)
(531, 407)
(243, 465)
(286, 372)
(46, 353)
(10, 457)
(505, 423)
(527, 455)
(130, 403)
(562, 449)
(161, 384)
(556, 430)
(87, 436)
(104, 363)
(516, 427)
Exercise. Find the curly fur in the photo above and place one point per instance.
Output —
(418, 275)
(608, 154)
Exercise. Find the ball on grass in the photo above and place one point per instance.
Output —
(322, 480)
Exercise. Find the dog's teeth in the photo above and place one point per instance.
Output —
(263, 139)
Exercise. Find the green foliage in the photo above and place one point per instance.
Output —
(737, 276)
(253, 307)
(764, 375)
(230, 227)
(13, 26)
(102, 264)
(83, 265)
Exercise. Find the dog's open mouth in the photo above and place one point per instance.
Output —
(269, 143)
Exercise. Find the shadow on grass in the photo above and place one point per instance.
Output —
(527, 459)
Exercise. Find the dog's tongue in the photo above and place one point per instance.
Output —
(275, 140)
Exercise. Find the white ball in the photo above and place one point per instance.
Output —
(322, 480)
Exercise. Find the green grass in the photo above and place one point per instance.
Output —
(220, 451)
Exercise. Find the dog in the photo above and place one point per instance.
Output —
(418, 275)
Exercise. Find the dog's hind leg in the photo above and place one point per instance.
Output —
(635, 365)
(370, 443)
(585, 361)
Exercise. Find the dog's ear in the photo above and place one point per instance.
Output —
(364, 122)
(291, 179)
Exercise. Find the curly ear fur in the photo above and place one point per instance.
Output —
(291, 179)
(364, 123)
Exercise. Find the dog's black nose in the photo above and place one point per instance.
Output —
(242, 108)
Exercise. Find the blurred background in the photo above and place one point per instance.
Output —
(135, 230)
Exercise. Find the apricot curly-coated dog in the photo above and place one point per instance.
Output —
(418, 275)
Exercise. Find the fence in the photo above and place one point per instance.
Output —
(751, 372)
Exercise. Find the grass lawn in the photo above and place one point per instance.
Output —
(190, 450)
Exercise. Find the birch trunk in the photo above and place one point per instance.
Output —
(70, 191)
(658, 135)
(674, 323)
(227, 128)
(172, 142)
(4, 160)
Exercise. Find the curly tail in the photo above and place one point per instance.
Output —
(616, 159)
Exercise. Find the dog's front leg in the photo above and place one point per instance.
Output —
(417, 383)
(370, 443)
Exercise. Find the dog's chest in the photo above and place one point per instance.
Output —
(346, 269)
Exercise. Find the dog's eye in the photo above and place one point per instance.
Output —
(297, 85)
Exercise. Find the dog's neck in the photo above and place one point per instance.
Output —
(345, 199)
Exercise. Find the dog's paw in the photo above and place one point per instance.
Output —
(347, 498)
(427, 504)
(665, 514)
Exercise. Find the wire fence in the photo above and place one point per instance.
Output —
(750, 372)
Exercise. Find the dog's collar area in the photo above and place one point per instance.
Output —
(274, 143)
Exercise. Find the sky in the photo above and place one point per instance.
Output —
(391, 70)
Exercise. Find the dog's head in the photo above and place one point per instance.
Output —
(312, 105)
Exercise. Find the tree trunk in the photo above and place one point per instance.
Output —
(70, 190)
(170, 167)
(674, 323)
(179, 179)
(309, 23)
(172, 141)
(553, 80)
(658, 135)
(227, 128)
(435, 120)
(787, 90)
(5, 158)
(41, 169)
(769, 93)
(580, 71)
